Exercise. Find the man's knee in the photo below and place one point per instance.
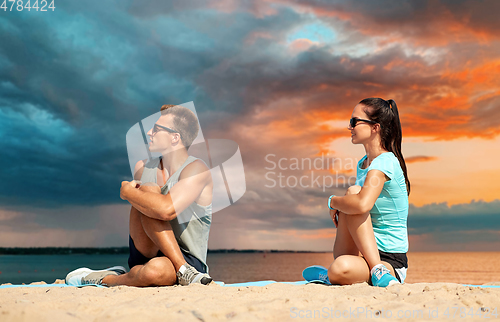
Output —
(159, 271)
(150, 187)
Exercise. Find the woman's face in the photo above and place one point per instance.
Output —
(362, 131)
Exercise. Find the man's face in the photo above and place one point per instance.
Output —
(162, 139)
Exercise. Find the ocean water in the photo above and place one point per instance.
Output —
(453, 267)
(18, 269)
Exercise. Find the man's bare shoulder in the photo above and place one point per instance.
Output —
(139, 169)
(195, 168)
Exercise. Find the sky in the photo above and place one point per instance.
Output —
(279, 78)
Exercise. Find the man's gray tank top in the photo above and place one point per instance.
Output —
(192, 233)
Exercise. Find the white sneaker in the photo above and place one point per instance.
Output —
(187, 274)
(86, 276)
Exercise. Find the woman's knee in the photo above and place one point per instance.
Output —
(348, 269)
(340, 267)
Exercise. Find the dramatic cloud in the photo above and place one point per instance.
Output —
(278, 77)
(477, 215)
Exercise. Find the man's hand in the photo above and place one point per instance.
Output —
(126, 186)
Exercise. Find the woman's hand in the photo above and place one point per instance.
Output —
(335, 216)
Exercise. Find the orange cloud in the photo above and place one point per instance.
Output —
(420, 158)
(485, 74)
(367, 69)
(301, 44)
(451, 101)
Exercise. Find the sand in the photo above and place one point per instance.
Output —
(275, 302)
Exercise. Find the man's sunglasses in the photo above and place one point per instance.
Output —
(158, 127)
(354, 121)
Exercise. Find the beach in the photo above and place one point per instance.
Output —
(274, 302)
(434, 291)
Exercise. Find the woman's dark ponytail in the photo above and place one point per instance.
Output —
(387, 115)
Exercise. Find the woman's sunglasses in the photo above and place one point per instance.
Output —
(158, 127)
(354, 121)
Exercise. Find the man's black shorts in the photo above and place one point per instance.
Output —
(136, 258)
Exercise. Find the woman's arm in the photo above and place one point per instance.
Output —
(355, 203)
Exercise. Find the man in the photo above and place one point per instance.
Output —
(170, 218)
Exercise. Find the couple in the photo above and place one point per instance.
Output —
(371, 240)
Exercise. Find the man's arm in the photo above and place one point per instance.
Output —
(194, 178)
(139, 169)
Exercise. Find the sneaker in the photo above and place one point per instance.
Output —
(382, 277)
(86, 276)
(316, 274)
(187, 274)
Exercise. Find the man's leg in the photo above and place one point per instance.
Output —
(150, 235)
(159, 271)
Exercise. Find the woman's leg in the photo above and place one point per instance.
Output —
(348, 269)
(351, 269)
(344, 244)
(361, 231)
(354, 237)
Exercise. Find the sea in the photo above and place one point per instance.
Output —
(452, 267)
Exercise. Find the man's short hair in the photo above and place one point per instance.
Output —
(184, 121)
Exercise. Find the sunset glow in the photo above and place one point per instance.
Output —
(279, 78)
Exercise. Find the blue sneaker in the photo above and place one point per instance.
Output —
(382, 277)
(316, 274)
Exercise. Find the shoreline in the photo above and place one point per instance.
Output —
(459, 267)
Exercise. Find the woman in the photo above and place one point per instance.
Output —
(371, 240)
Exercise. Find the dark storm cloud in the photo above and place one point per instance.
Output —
(436, 218)
(302, 76)
(93, 73)
(431, 22)
(280, 208)
(73, 83)
(68, 79)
